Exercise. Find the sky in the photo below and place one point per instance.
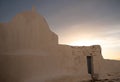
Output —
(76, 22)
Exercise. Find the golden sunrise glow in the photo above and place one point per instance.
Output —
(78, 35)
(107, 52)
(86, 42)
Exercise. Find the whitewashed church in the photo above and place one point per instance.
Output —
(29, 52)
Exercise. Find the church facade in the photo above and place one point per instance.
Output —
(29, 52)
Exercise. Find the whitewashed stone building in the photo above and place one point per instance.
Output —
(29, 52)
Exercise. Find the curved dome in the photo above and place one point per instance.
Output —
(31, 18)
(28, 30)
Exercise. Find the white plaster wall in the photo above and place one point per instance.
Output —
(42, 66)
(27, 30)
(29, 52)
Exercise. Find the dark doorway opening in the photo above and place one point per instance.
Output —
(89, 64)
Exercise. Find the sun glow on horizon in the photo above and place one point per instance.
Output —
(83, 35)
(107, 50)
(86, 42)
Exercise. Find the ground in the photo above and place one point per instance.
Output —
(111, 80)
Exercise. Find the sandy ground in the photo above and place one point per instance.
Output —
(106, 80)
(115, 79)
(111, 80)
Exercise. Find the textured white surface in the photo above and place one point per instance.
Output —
(29, 52)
